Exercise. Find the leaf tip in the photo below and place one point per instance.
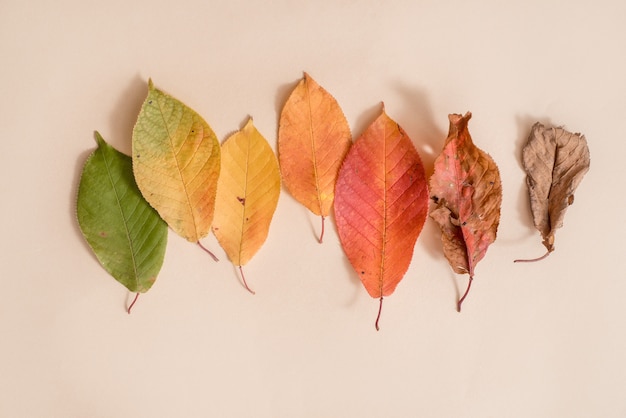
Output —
(150, 84)
(249, 124)
(99, 140)
(308, 81)
(458, 119)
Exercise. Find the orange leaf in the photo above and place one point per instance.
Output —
(467, 190)
(313, 139)
(247, 195)
(381, 205)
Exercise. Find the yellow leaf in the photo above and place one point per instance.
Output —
(176, 162)
(247, 194)
(313, 139)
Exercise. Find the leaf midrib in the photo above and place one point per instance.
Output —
(178, 169)
(459, 196)
(384, 234)
(313, 150)
(245, 196)
(125, 221)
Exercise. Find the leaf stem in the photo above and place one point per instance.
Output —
(132, 303)
(243, 278)
(460, 302)
(208, 251)
(321, 238)
(380, 308)
(532, 260)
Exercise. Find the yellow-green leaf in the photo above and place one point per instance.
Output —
(176, 161)
(313, 139)
(247, 194)
(127, 236)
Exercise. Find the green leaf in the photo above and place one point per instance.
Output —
(127, 236)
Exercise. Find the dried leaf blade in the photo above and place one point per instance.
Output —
(555, 162)
(467, 192)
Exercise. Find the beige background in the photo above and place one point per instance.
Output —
(542, 340)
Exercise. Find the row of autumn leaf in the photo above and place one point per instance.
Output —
(179, 176)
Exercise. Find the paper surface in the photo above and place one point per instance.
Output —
(534, 340)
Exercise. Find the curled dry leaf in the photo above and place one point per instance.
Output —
(127, 236)
(555, 162)
(381, 204)
(247, 195)
(467, 192)
(176, 161)
(313, 139)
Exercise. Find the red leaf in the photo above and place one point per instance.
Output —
(381, 202)
(467, 190)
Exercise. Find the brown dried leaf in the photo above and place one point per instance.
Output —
(555, 161)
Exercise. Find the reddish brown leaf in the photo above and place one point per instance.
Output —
(467, 191)
(555, 162)
(381, 202)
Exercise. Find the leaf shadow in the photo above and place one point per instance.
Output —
(417, 120)
(124, 115)
(122, 122)
(365, 119)
(352, 275)
(282, 95)
(331, 241)
(314, 222)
